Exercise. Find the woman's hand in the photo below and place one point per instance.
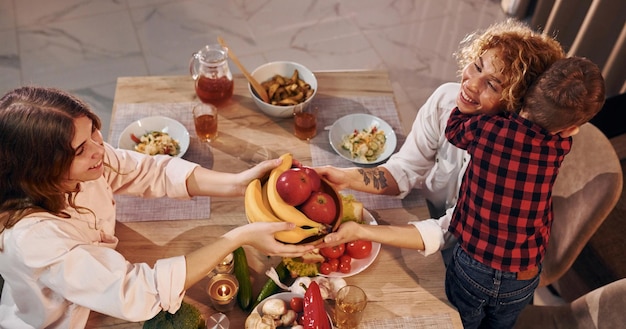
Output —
(261, 236)
(400, 236)
(337, 177)
(348, 231)
(258, 235)
(203, 181)
(259, 171)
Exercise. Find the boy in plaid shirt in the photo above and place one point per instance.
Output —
(503, 215)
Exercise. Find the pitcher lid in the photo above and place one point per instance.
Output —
(212, 54)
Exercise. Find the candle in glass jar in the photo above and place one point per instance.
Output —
(223, 290)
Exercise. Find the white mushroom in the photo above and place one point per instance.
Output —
(288, 318)
(268, 322)
(256, 321)
(253, 321)
(274, 307)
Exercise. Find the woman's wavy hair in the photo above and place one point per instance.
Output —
(523, 55)
(36, 132)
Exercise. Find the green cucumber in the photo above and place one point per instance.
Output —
(270, 286)
(242, 273)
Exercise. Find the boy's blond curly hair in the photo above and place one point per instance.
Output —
(523, 54)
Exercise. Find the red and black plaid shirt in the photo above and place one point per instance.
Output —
(504, 212)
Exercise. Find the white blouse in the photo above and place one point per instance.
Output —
(427, 161)
(58, 269)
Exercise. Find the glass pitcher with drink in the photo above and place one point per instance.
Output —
(211, 73)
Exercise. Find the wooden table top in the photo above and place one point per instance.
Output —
(399, 284)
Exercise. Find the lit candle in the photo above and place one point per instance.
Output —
(223, 290)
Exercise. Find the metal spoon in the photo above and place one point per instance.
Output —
(255, 84)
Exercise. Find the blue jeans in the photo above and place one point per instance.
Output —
(486, 297)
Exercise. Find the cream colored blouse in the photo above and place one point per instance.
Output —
(58, 269)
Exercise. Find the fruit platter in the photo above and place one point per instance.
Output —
(295, 194)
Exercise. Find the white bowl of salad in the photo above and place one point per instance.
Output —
(155, 135)
(362, 138)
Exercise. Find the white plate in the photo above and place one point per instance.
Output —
(285, 296)
(359, 265)
(157, 123)
(347, 124)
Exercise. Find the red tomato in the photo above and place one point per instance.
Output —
(345, 267)
(333, 252)
(296, 304)
(325, 268)
(345, 259)
(359, 249)
(334, 264)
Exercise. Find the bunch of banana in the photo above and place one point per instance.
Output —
(264, 204)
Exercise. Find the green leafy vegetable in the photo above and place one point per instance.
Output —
(187, 317)
(298, 268)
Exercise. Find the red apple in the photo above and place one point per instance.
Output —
(314, 178)
(320, 207)
(294, 186)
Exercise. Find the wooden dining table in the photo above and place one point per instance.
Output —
(404, 288)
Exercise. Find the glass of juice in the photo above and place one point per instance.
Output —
(305, 121)
(349, 306)
(205, 121)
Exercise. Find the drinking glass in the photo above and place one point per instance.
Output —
(205, 121)
(305, 121)
(349, 306)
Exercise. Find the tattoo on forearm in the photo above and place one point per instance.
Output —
(375, 177)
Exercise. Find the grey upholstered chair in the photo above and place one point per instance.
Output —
(587, 188)
(601, 308)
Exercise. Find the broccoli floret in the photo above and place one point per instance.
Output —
(298, 268)
(187, 317)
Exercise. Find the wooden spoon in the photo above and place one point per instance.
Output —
(255, 84)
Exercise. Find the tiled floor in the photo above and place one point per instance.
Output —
(84, 45)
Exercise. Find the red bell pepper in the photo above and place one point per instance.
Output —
(314, 312)
(135, 138)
